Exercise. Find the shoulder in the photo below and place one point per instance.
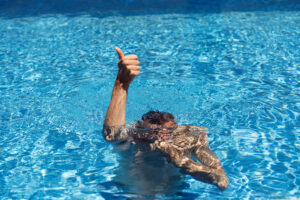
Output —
(195, 134)
(191, 130)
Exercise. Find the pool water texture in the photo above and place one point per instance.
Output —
(235, 72)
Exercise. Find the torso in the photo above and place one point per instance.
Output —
(142, 162)
(147, 169)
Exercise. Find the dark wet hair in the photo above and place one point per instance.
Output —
(153, 126)
(157, 117)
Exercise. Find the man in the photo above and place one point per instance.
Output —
(159, 132)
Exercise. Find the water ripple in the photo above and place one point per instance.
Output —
(235, 72)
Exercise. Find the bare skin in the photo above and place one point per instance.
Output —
(177, 145)
(128, 69)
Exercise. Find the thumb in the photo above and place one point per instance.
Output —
(119, 51)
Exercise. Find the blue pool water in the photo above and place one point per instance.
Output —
(233, 68)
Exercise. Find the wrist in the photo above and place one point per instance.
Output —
(121, 84)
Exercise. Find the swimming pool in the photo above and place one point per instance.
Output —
(232, 67)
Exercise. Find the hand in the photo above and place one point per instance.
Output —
(128, 67)
(220, 179)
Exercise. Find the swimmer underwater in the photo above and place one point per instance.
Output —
(158, 131)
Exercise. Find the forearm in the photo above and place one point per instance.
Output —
(115, 115)
(214, 173)
(207, 157)
(128, 70)
(200, 172)
(215, 176)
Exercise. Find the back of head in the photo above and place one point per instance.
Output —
(155, 125)
(159, 120)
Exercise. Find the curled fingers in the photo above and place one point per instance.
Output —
(131, 57)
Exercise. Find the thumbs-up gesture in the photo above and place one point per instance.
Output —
(128, 67)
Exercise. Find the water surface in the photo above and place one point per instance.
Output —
(235, 72)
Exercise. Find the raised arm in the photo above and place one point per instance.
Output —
(128, 69)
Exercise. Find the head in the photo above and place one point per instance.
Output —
(155, 125)
(159, 120)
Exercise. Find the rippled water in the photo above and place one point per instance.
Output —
(236, 73)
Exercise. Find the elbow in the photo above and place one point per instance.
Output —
(107, 134)
(115, 133)
(108, 138)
